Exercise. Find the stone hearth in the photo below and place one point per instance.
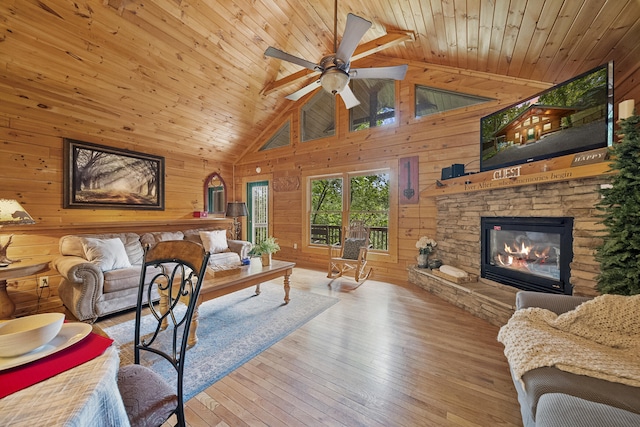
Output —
(494, 303)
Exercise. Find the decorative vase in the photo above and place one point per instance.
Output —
(423, 260)
(266, 259)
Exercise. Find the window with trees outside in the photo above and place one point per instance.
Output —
(338, 199)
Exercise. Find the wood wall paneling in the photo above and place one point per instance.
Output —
(33, 174)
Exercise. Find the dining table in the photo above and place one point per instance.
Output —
(76, 386)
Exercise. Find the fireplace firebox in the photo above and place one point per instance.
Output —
(529, 253)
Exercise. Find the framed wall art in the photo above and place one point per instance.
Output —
(97, 176)
(408, 180)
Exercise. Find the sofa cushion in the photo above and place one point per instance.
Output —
(108, 254)
(214, 241)
(540, 381)
(124, 278)
(160, 236)
(72, 245)
(561, 410)
(194, 235)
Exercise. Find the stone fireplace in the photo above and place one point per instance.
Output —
(459, 228)
(528, 253)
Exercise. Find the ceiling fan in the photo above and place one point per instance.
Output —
(335, 69)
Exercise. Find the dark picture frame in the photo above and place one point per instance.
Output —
(97, 176)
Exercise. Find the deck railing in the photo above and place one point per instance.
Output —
(324, 234)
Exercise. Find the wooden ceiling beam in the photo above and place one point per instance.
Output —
(392, 38)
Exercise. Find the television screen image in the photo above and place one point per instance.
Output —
(571, 117)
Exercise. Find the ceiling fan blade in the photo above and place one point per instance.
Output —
(277, 53)
(305, 90)
(397, 72)
(353, 32)
(349, 98)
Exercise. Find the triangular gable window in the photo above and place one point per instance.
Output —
(432, 101)
(317, 117)
(281, 138)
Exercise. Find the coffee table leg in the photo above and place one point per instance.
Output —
(163, 306)
(286, 288)
(193, 332)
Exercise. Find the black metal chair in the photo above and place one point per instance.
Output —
(175, 269)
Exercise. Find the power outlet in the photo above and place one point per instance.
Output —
(295, 246)
(43, 281)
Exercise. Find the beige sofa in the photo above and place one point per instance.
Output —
(550, 397)
(100, 272)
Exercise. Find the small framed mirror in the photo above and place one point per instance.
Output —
(215, 194)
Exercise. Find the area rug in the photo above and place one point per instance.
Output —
(232, 330)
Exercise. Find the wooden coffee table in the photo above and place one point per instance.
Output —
(248, 275)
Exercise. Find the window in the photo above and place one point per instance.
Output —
(281, 138)
(432, 101)
(318, 117)
(377, 103)
(326, 210)
(331, 211)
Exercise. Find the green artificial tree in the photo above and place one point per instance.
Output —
(619, 253)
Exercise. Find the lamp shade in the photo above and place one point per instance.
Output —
(334, 80)
(236, 209)
(12, 213)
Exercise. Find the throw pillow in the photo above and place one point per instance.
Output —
(214, 241)
(108, 254)
(352, 248)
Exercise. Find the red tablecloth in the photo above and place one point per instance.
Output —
(15, 379)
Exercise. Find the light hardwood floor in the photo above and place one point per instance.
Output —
(385, 355)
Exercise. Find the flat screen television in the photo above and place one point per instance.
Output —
(571, 117)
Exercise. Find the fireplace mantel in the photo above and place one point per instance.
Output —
(543, 171)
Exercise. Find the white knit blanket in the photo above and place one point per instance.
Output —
(600, 338)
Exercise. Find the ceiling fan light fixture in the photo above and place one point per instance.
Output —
(334, 80)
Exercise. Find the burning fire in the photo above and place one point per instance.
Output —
(522, 255)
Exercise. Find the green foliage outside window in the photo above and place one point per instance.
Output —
(368, 201)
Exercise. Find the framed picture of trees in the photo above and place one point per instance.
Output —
(97, 176)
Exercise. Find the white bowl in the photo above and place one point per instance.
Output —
(24, 334)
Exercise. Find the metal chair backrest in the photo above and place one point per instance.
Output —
(174, 269)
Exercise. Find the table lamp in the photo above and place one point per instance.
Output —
(235, 210)
(11, 213)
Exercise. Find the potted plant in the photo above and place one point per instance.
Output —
(265, 249)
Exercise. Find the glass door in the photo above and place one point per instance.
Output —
(258, 207)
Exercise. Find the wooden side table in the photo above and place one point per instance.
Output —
(13, 271)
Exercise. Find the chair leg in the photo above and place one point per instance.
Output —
(330, 271)
(359, 274)
(335, 270)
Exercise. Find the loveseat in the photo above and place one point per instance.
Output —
(100, 272)
(550, 396)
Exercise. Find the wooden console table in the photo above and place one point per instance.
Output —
(13, 271)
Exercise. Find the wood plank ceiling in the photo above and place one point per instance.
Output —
(189, 74)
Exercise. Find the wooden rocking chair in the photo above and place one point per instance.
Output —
(351, 254)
